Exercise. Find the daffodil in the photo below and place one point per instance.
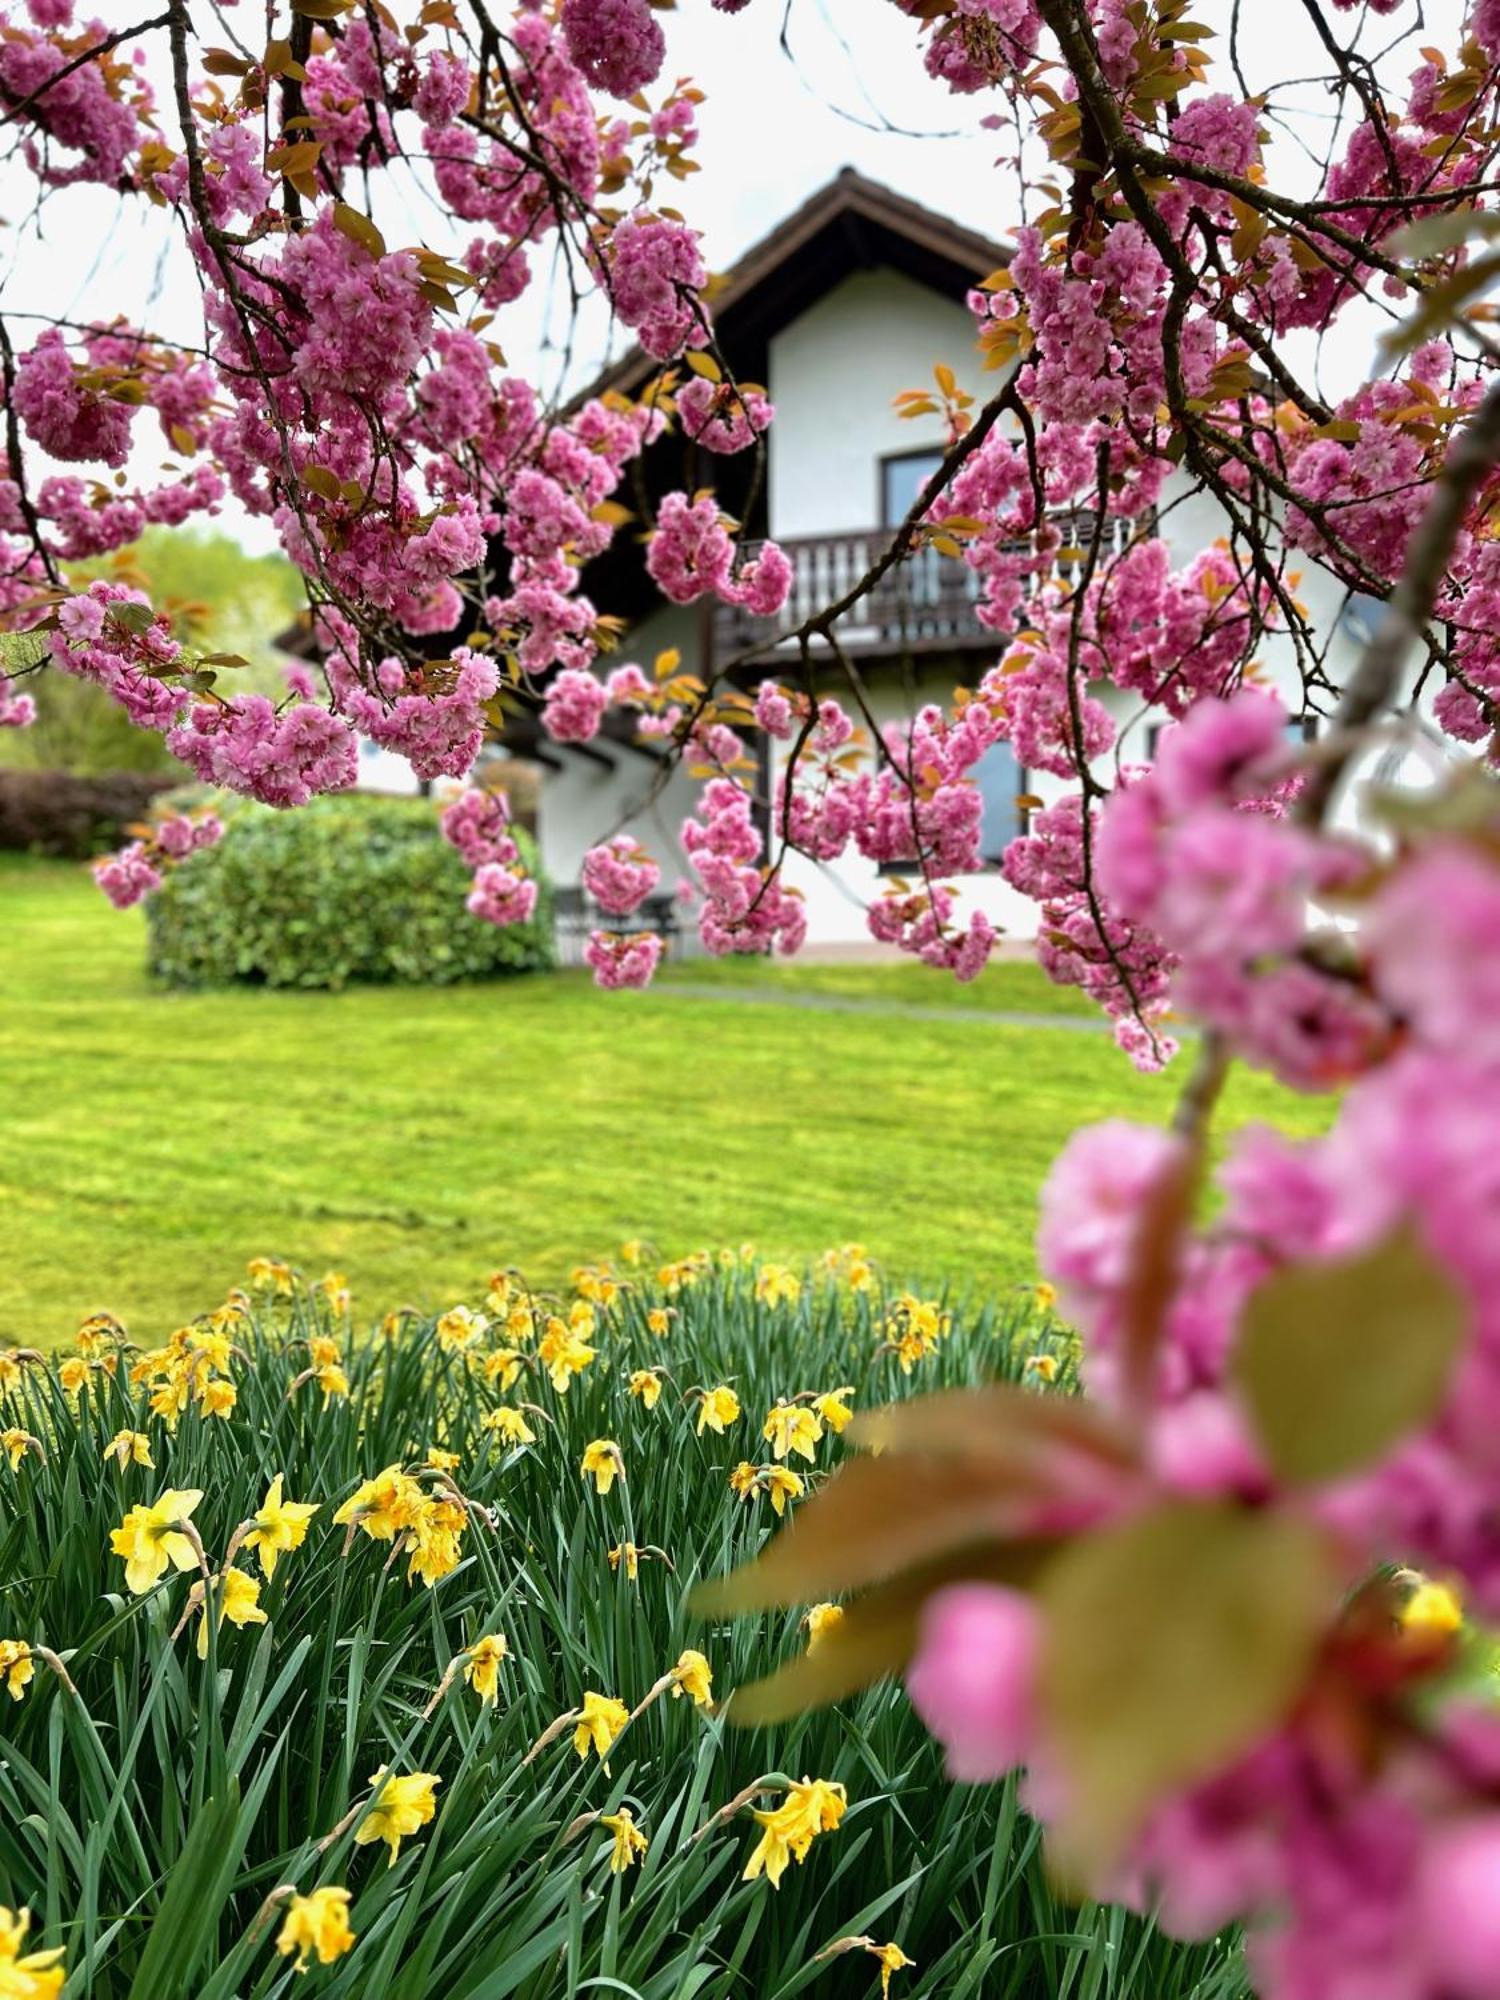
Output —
(744, 1479)
(891, 1958)
(646, 1384)
(331, 1379)
(316, 1926)
(775, 1285)
(833, 1408)
(600, 1288)
(403, 1806)
(130, 1448)
(335, 1288)
(632, 1252)
(280, 1526)
(659, 1321)
(630, 1555)
(600, 1720)
(72, 1374)
(217, 1397)
(435, 1540)
(384, 1506)
(323, 1352)
(36, 1975)
(443, 1461)
(1434, 1611)
(602, 1460)
(10, 1370)
(15, 1444)
(236, 1596)
(212, 1345)
(269, 1274)
(563, 1354)
(692, 1676)
(482, 1665)
(508, 1424)
(782, 1484)
(792, 1427)
(17, 1671)
(629, 1843)
(459, 1328)
(716, 1408)
(1040, 1368)
(497, 1296)
(812, 1807)
(151, 1537)
(99, 1331)
(819, 1620)
(503, 1366)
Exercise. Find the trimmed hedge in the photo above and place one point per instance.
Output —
(349, 888)
(70, 817)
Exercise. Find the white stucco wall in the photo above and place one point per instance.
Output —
(833, 374)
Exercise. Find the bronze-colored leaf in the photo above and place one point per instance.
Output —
(358, 228)
(998, 1420)
(1171, 1644)
(877, 1634)
(874, 1518)
(1338, 1361)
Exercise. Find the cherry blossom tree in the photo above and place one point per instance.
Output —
(1230, 1608)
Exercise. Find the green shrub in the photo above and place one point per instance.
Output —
(146, 1820)
(354, 887)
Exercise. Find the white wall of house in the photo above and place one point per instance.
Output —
(833, 375)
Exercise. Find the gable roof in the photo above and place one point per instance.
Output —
(850, 224)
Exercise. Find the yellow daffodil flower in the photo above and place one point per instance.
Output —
(692, 1676)
(1045, 1296)
(100, 1330)
(435, 1541)
(508, 1424)
(236, 1596)
(792, 1427)
(1040, 1368)
(151, 1537)
(130, 1448)
(335, 1288)
(520, 1322)
(646, 1383)
(38, 1975)
(72, 1374)
(659, 1321)
(819, 1620)
(443, 1461)
(833, 1408)
(280, 1526)
(10, 1370)
(630, 1843)
(632, 1252)
(15, 1444)
(17, 1671)
(503, 1366)
(316, 1926)
(782, 1484)
(217, 1398)
(600, 1288)
(1434, 1611)
(213, 1345)
(563, 1354)
(891, 1959)
(603, 1460)
(716, 1408)
(775, 1285)
(384, 1506)
(497, 1296)
(600, 1720)
(744, 1479)
(331, 1379)
(403, 1806)
(269, 1274)
(815, 1806)
(482, 1665)
(459, 1328)
(321, 1351)
(630, 1555)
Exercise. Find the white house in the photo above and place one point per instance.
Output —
(846, 304)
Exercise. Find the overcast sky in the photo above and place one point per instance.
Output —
(774, 128)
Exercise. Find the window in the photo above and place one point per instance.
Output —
(1001, 782)
(901, 480)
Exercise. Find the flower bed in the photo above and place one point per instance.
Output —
(252, 1568)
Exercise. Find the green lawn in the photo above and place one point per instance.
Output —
(417, 1138)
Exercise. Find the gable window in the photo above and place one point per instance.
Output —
(902, 478)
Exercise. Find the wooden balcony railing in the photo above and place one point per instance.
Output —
(924, 604)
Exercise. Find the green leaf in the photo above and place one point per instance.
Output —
(1171, 1645)
(1338, 1361)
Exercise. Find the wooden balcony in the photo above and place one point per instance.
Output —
(924, 604)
